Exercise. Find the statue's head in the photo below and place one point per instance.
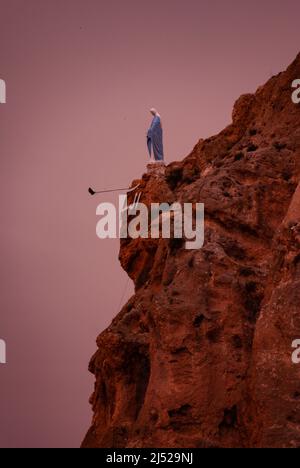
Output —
(153, 111)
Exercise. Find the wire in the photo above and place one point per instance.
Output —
(128, 189)
(113, 190)
(123, 295)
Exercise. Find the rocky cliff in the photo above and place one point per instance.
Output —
(200, 356)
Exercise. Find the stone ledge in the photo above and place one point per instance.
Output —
(156, 168)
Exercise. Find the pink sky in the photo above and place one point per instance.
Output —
(81, 76)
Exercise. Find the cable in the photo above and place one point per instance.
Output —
(123, 295)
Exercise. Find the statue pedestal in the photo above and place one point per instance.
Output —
(156, 168)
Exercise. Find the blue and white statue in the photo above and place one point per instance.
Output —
(155, 137)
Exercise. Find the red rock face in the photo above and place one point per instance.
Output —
(200, 356)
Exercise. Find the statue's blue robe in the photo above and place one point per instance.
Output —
(155, 139)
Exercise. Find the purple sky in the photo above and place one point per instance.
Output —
(81, 76)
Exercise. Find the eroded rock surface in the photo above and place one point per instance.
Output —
(200, 356)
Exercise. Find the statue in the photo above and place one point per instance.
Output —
(155, 137)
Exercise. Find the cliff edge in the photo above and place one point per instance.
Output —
(200, 356)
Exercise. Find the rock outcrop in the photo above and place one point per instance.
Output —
(200, 356)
